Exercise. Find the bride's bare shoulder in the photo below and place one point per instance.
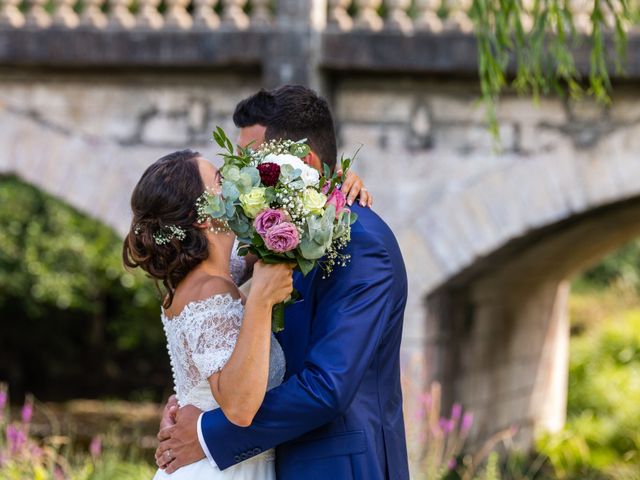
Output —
(211, 285)
(199, 289)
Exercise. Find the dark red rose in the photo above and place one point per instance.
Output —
(269, 173)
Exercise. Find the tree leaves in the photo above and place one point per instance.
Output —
(543, 49)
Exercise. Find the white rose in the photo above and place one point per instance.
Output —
(309, 175)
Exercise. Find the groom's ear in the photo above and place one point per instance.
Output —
(313, 160)
(204, 225)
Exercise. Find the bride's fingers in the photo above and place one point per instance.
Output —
(348, 183)
(356, 188)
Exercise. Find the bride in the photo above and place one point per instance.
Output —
(222, 351)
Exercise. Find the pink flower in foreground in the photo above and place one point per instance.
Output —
(268, 218)
(452, 464)
(95, 448)
(445, 425)
(282, 238)
(467, 422)
(338, 200)
(456, 412)
(27, 412)
(16, 437)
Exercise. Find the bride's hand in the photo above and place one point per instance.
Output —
(169, 412)
(352, 187)
(272, 284)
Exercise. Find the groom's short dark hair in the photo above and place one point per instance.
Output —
(301, 113)
(253, 110)
(294, 112)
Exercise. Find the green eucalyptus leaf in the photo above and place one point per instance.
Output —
(230, 173)
(327, 171)
(300, 150)
(270, 194)
(311, 250)
(305, 265)
(230, 191)
(297, 185)
(253, 174)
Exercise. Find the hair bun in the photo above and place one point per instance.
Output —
(162, 239)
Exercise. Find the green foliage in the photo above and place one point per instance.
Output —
(538, 40)
(620, 269)
(76, 321)
(601, 438)
(491, 470)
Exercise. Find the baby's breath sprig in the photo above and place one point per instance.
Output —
(167, 233)
(334, 257)
(282, 147)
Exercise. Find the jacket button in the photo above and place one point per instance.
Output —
(243, 456)
(237, 458)
(256, 451)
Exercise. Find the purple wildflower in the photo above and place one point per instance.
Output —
(16, 437)
(452, 464)
(27, 412)
(456, 412)
(467, 422)
(95, 448)
(445, 425)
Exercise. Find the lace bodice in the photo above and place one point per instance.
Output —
(200, 341)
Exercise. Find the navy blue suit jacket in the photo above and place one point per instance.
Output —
(338, 414)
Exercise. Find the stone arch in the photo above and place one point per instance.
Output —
(497, 328)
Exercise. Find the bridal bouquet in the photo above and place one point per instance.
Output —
(280, 208)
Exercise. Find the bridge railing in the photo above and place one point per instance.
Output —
(341, 15)
(284, 41)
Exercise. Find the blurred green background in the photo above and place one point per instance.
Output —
(77, 325)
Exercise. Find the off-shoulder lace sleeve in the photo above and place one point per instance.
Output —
(212, 336)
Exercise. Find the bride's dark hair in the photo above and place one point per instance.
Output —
(165, 197)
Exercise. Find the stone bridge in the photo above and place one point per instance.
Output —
(491, 237)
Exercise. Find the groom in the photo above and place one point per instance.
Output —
(338, 414)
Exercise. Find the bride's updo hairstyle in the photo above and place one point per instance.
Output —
(163, 239)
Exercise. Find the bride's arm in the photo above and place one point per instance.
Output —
(240, 386)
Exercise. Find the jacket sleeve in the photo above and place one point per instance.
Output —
(352, 312)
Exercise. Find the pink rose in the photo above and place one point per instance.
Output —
(282, 238)
(268, 218)
(338, 200)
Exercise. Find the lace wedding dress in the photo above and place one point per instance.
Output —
(200, 341)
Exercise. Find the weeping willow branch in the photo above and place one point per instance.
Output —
(536, 39)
